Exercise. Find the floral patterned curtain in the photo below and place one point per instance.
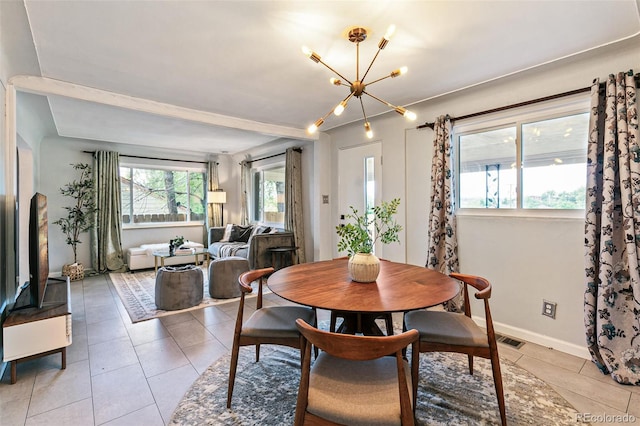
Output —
(442, 239)
(612, 230)
(293, 220)
(106, 235)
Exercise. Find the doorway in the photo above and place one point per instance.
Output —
(359, 181)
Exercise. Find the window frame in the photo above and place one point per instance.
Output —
(161, 165)
(517, 117)
(252, 208)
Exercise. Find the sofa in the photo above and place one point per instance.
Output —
(251, 242)
(142, 257)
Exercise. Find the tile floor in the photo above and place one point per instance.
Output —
(120, 373)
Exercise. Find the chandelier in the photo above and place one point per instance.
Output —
(358, 87)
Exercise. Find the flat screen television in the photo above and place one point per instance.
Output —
(38, 249)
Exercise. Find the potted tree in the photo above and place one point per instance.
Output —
(359, 237)
(80, 216)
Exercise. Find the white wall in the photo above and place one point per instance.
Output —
(57, 171)
(527, 259)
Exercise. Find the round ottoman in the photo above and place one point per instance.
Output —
(179, 288)
(223, 276)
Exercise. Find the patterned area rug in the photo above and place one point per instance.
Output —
(265, 393)
(137, 292)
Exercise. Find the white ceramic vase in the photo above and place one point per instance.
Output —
(364, 267)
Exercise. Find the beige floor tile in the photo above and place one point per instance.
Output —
(13, 412)
(57, 388)
(212, 315)
(557, 358)
(223, 332)
(590, 370)
(103, 312)
(111, 355)
(105, 331)
(608, 395)
(204, 354)
(147, 416)
(634, 405)
(189, 333)
(169, 388)
(160, 356)
(120, 392)
(584, 405)
(77, 413)
(146, 331)
(508, 352)
(176, 318)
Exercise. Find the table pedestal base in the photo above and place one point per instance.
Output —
(360, 324)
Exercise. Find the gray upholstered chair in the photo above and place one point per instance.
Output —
(457, 332)
(274, 325)
(223, 276)
(179, 287)
(354, 382)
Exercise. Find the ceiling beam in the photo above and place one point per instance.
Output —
(48, 86)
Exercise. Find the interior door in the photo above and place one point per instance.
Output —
(359, 181)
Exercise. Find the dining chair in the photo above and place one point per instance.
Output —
(353, 381)
(267, 325)
(457, 332)
(388, 318)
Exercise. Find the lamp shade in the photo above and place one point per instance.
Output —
(218, 197)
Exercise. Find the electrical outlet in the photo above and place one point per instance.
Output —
(549, 309)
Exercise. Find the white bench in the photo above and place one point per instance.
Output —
(142, 257)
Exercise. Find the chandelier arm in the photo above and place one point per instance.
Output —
(390, 105)
(363, 113)
(348, 97)
(380, 79)
(370, 65)
(336, 72)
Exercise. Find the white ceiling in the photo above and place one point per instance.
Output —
(242, 59)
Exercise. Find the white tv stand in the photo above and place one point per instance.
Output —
(30, 333)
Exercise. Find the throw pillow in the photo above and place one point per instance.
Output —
(240, 233)
(258, 229)
(227, 233)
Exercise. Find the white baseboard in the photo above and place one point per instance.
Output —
(539, 339)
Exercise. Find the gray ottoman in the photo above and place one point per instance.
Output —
(179, 288)
(223, 276)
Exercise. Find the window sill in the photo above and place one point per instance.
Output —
(523, 213)
(126, 227)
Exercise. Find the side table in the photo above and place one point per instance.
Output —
(279, 254)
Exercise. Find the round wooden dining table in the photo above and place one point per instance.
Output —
(327, 285)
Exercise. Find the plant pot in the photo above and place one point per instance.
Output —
(74, 271)
(364, 267)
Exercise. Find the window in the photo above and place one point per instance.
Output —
(267, 204)
(530, 163)
(167, 195)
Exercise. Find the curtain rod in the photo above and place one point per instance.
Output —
(272, 156)
(521, 104)
(155, 158)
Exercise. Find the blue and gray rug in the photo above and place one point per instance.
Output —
(265, 393)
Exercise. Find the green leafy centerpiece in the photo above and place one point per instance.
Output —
(358, 238)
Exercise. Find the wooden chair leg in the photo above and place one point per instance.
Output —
(470, 364)
(232, 372)
(257, 352)
(497, 380)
